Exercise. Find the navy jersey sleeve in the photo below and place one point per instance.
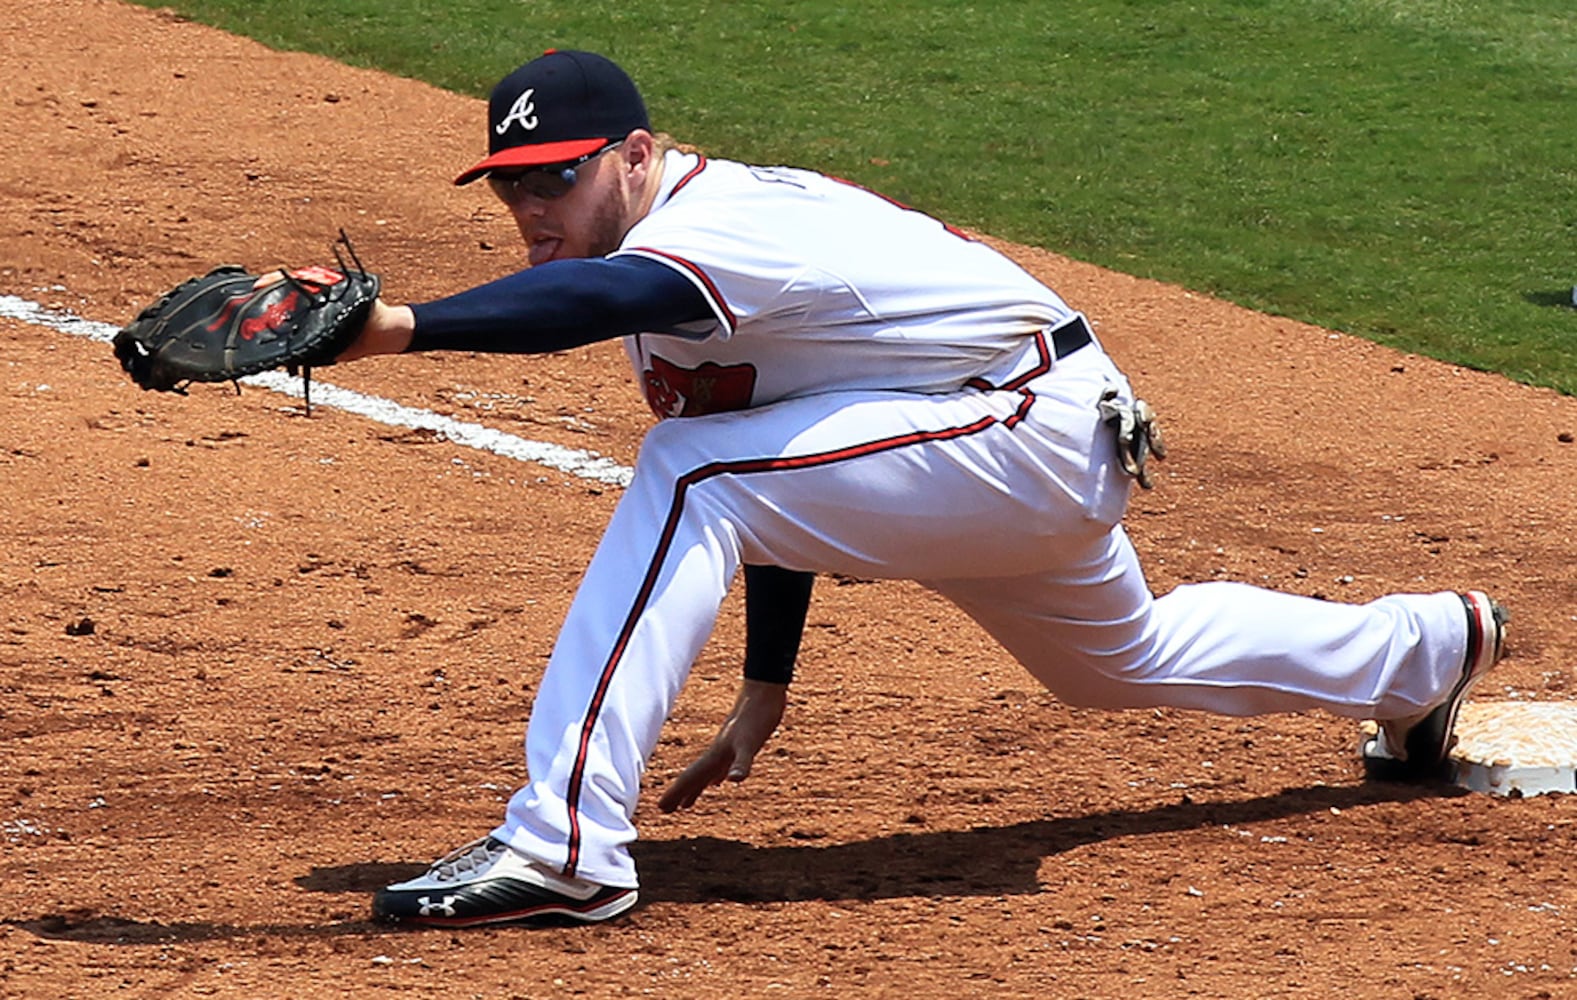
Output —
(559, 305)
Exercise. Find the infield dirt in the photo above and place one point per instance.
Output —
(254, 665)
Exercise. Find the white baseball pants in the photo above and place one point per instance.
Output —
(1007, 502)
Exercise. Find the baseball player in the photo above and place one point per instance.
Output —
(845, 385)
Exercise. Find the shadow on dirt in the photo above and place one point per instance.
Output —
(996, 861)
(87, 927)
(985, 861)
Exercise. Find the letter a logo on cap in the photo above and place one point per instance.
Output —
(523, 111)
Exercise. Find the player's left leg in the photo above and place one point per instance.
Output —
(1089, 630)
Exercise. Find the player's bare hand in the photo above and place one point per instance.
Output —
(755, 717)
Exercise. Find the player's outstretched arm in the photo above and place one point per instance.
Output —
(536, 311)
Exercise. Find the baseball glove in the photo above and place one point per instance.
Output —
(227, 324)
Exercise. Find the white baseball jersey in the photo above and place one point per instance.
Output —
(771, 250)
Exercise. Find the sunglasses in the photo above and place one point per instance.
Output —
(548, 183)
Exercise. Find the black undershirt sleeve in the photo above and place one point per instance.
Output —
(559, 305)
(776, 601)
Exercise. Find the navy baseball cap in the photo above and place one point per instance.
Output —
(556, 108)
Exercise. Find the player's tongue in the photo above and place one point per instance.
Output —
(542, 249)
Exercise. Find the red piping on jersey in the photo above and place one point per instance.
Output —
(745, 467)
(1042, 366)
(718, 302)
(687, 178)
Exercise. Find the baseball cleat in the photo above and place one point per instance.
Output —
(487, 882)
(1416, 748)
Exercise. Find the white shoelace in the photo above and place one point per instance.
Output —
(471, 859)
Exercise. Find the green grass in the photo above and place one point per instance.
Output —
(1399, 169)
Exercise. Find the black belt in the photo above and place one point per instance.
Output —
(1069, 337)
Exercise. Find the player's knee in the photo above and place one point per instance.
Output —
(1122, 676)
(681, 447)
(665, 451)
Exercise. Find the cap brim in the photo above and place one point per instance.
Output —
(533, 156)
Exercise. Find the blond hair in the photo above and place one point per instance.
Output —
(666, 142)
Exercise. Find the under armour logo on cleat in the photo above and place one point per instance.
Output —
(443, 908)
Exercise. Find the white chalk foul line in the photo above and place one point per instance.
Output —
(584, 464)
